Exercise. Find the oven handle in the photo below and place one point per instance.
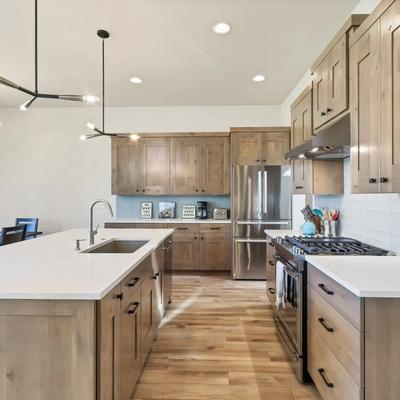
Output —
(287, 268)
(282, 333)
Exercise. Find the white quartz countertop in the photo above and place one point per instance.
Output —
(274, 233)
(365, 276)
(49, 268)
(168, 221)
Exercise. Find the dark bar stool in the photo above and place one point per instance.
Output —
(31, 226)
(12, 234)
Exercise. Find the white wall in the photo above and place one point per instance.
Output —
(46, 171)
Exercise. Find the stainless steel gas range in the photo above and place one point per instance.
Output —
(289, 289)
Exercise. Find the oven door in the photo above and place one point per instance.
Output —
(289, 303)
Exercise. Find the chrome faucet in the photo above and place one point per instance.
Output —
(93, 232)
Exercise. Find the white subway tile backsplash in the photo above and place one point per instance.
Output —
(371, 218)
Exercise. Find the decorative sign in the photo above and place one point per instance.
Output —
(166, 209)
(189, 211)
(146, 211)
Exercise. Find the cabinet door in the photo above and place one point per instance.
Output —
(185, 166)
(108, 345)
(125, 166)
(215, 252)
(130, 357)
(365, 111)
(305, 109)
(275, 146)
(320, 94)
(185, 251)
(214, 165)
(302, 176)
(337, 79)
(246, 148)
(297, 127)
(390, 111)
(155, 165)
(148, 315)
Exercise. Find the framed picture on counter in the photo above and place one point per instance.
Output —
(188, 211)
(166, 209)
(146, 210)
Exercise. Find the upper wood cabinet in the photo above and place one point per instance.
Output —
(301, 116)
(330, 76)
(179, 164)
(259, 146)
(200, 165)
(375, 101)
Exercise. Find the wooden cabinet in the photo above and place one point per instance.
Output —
(215, 251)
(108, 345)
(155, 165)
(200, 165)
(259, 146)
(185, 253)
(375, 99)
(301, 116)
(330, 77)
(317, 177)
(125, 166)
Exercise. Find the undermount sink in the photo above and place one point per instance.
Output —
(118, 246)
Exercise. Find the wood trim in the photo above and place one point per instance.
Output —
(260, 129)
(370, 20)
(181, 134)
(331, 122)
(301, 96)
(353, 20)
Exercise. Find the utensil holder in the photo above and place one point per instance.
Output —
(330, 228)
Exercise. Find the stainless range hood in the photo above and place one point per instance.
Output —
(332, 142)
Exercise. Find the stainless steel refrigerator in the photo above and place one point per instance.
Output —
(261, 199)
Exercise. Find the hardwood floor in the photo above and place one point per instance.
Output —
(218, 342)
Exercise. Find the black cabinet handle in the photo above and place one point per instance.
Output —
(143, 190)
(202, 238)
(119, 296)
(182, 229)
(323, 323)
(156, 275)
(321, 371)
(372, 180)
(215, 228)
(132, 307)
(323, 113)
(384, 179)
(270, 262)
(203, 190)
(299, 187)
(197, 190)
(328, 110)
(325, 289)
(137, 190)
(133, 282)
(271, 290)
(258, 160)
(195, 237)
(271, 244)
(264, 160)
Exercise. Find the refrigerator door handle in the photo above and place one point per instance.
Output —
(265, 197)
(259, 199)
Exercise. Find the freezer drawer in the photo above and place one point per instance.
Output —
(249, 259)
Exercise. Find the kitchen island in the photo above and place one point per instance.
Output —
(78, 325)
(353, 324)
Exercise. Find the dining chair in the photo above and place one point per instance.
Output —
(12, 234)
(31, 226)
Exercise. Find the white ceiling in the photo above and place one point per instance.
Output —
(170, 45)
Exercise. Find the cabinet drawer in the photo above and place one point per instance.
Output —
(214, 228)
(336, 295)
(338, 334)
(181, 228)
(135, 278)
(330, 377)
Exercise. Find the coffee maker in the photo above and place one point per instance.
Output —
(201, 210)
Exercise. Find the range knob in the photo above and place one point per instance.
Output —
(296, 250)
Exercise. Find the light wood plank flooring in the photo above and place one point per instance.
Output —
(218, 342)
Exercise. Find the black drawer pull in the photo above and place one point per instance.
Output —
(372, 180)
(321, 371)
(271, 262)
(384, 179)
(323, 323)
(182, 229)
(215, 228)
(271, 244)
(132, 307)
(323, 113)
(299, 187)
(271, 290)
(156, 275)
(328, 110)
(133, 282)
(325, 289)
(119, 296)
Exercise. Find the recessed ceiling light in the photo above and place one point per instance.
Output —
(221, 28)
(258, 78)
(136, 79)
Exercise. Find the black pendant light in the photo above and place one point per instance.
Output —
(103, 35)
(35, 94)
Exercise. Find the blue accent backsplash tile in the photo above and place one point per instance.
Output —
(129, 206)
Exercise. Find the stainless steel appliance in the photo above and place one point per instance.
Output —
(261, 199)
(201, 210)
(290, 305)
(167, 278)
(220, 213)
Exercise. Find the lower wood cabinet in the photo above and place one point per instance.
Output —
(215, 251)
(185, 253)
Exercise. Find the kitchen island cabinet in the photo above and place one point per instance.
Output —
(76, 325)
(353, 324)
